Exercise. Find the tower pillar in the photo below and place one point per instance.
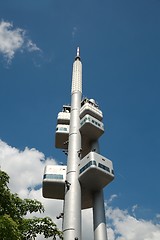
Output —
(99, 220)
(72, 201)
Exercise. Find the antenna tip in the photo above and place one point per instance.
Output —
(78, 51)
(78, 54)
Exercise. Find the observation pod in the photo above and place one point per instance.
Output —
(91, 124)
(89, 106)
(64, 116)
(62, 132)
(62, 129)
(91, 117)
(95, 171)
(54, 182)
(91, 128)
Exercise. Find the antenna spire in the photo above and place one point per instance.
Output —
(78, 54)
(78, 51)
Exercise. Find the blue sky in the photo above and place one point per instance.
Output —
(119, 43)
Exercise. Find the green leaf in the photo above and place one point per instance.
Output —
(13, 209)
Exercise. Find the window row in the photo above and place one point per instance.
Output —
(87, 166)
(53, 176)
(62, 129)
(89, 119)
(95, 164)
(104, 167)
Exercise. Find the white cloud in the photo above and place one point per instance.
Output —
(25, 169)
(13, 40)
(128, 227)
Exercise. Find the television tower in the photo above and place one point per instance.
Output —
(80, 184)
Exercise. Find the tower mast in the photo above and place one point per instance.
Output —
(72, 201)
(80, 184)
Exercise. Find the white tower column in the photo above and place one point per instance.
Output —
(72, 202)
(99, 220)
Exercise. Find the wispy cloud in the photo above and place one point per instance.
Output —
(74, 32)
(112, 197)
(31, 46)
(13, 40)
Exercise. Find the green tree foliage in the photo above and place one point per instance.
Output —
(13, 221)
